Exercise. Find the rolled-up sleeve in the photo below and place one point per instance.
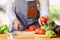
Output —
(44, 9)
(10, 7)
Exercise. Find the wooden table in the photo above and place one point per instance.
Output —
(39, 39)
(47, 39)
(3, 37)
(31, 36)
(36, 39)
(27, 37)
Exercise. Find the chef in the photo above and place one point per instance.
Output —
(17, 12)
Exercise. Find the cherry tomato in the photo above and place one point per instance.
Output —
(32, 28)
(39, 31)
(43, 19)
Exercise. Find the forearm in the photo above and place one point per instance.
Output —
(10, 11)
(44, 8)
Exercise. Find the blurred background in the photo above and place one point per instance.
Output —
(4, 19)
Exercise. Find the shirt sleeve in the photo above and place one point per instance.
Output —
(10, 9)
(44, 9)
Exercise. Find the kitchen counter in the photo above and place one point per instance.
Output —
(32, 36)
(58, 38)
(35, 39)
(24, 36)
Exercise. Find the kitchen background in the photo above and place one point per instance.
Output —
(4, 19)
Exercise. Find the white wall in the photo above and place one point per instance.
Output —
(3, 16)
(54, 3)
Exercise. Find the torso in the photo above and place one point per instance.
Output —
(21, 6)
(21, 9)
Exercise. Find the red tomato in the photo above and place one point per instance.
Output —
(43, 19)
(39, 31)
(32, 28)
(27, 30)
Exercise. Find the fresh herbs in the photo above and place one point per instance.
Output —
(49, 31)
(4, 29)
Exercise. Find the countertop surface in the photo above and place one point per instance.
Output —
(25, 36)
(32, 36)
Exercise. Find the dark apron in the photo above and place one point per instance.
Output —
(26, 22)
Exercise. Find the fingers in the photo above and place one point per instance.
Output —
(42, 23)
(39, 22)
(16, 26)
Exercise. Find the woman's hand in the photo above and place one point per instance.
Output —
(17, 24)
(43, 20)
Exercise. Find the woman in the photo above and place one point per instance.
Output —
(17, 12)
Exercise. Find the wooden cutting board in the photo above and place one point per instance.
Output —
(23, 35)
(45, 37)
(31, 36)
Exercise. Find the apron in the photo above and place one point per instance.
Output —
(21, 13)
